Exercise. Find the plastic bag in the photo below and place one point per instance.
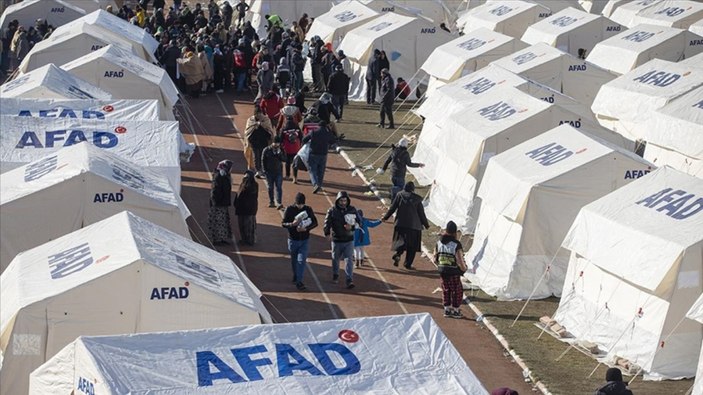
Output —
(300, 161)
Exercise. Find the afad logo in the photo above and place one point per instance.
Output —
(65, 138)
(314, 359)
(564, 21)
(578, 67)
(164, 293)
(659, 78)
(85, 386)
(428, 30)
(498, 111)
(634, 174)
(525, 57)
(576, 123)
(481, 85)
(37, 170)
(640, 36)
(57, 10)
(114, 74)
(676, 203)
(109, 197)
(550, 154)
(71, 261)
(63, 113)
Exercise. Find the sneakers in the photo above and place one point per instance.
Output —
(448, 313)
(358, 263)
(350, 284)
(452, 313)
(295, 181)
(317, 189)
(380, 126)
(335, 278)
(396, 259)
(280, 206)
(301, 287)
(457, 314)
(272, 204)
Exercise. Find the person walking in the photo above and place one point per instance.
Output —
(614, 385)
(299, 219)
(272, 159)
(362, 237)
(338, 86)
(383, 63)
(264, 77)
(409, 221)
(449, 257)
(220, 197)
(387, 99)
(399, 161)
(340, 223)
(258, 134)
(291, 141)
(320, 141)
(373, 73)
(246, 205)
(242, 7)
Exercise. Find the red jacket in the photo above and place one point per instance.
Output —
(271, 106)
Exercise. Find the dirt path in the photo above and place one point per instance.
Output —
(381, 289)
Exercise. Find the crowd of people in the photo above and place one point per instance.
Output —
(214, 48)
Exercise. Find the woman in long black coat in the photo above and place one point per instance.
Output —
(220, 196)
(246, 204)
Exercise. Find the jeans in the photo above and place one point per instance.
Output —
(298, 80)
(338, 101)
(398, 184)
(277, 181)
(343, 250)
(387, 109)
(316, 168)
(257, 157)
(241, 81)
(370, 91)
(298, 257)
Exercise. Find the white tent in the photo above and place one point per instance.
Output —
(593, 6)
(67, 44)
(498, 121)
(462, 93)
(624, 14)
(75, 187)
(611, 6)
(530, 195)
(697, 27)
(321, 357)
(466, 54)
(572, 30)
(438, 11)
(114, 26)
(558, 70)
(696, 313)
(674, 134)
(625, 100)
(153, 144)
(287, 10)
(407, 41)
(634, 47)
(511, 18)
(333, 25)
(51, 82)
(125, 76)
(54, 12)
(671, 13)
(93, 5)
(635, 268)
(695, 60)
(120, 275)
(128, 110)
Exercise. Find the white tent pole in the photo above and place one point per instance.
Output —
(662, 344)
(531, 294)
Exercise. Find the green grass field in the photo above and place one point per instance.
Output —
(368, 145)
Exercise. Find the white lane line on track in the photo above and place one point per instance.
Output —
(236, 248)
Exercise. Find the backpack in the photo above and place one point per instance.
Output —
(291, 135)
(239, 61)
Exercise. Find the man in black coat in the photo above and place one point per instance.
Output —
(299, 219)
(169, 59)
(387, 99)
(409, 221)
(340, 223)
(272, 160)
(373, 73)
(614, 385)
(320, 142)
(338, 86)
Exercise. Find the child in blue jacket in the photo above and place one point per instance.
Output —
(362, 238)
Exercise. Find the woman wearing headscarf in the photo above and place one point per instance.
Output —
(220, 198)
(192, 69)
(409, 221)
(246, 204)
(265, 79)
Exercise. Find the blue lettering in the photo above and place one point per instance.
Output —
(578, 67)
(639, 36)
(670, 11)
(472, 44)
(674, 203)
(612, 28)
(479, 86)
(500, 11)
(574, 124)
(206, 376)
(657, 78)
(104, 140)
(634, 174)
(85, 386)
(380, 26)
(67, 113)
(497, 111)
(169, 293)
(29, 138)
(89, 114)
(426, 30)
(200, 270)
(345, 16)
(650, 200)
(549, 154)
(37, 170)
(563, 21)
(693, 43)
(689, 210)
(524, 58)
(322, 350)
(114, 74)
(24, 113)
(75, 137)
(249, 366)
(699, 104)
(284, 353)
(95, 47)
(70, 261)
(57, 9)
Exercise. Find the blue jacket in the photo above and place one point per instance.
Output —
(361, 235)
